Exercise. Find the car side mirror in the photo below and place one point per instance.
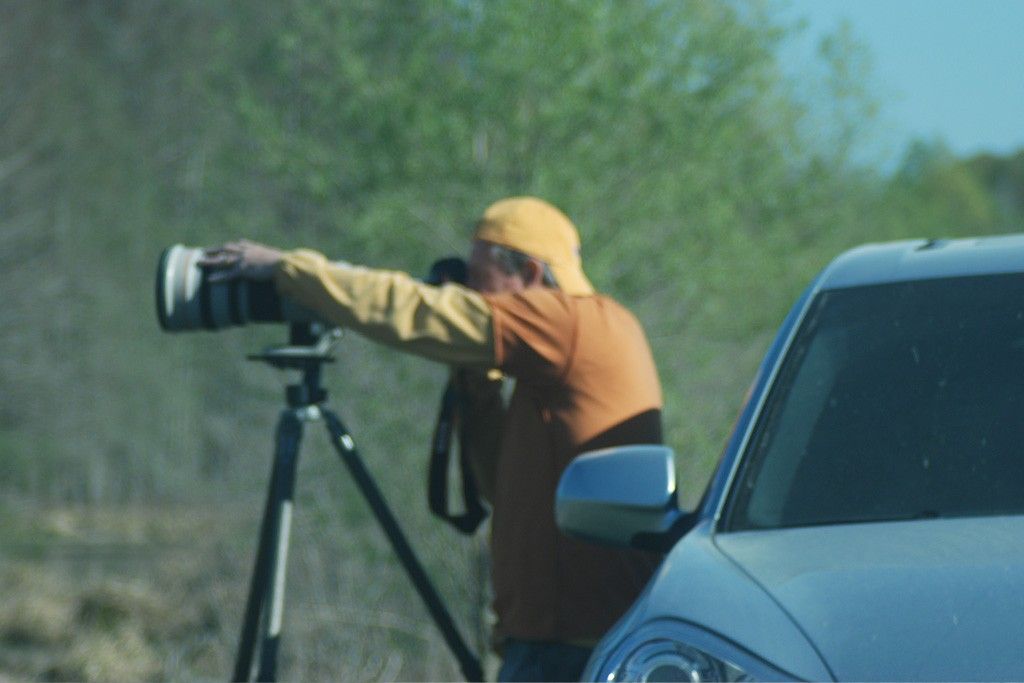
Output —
(622, 496)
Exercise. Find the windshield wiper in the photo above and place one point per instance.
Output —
(910, 516)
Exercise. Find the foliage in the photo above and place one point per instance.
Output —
(708, 185)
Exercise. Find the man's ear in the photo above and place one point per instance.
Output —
(532, 273)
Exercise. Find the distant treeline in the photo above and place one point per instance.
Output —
(708, 186)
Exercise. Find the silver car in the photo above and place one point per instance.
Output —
(866, 521)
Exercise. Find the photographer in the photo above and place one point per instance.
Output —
(584, 379)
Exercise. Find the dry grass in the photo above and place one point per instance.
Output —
(157, 594)
(36, 611)
(103, 597)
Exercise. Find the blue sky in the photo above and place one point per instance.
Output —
(942, 68)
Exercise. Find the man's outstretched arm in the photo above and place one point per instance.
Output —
(449, 324)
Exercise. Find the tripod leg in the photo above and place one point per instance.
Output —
(258, 584)
(343, 443)
(267, 585)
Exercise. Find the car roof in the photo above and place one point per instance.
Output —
(924, 260)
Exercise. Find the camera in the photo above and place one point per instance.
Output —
(186, 300)
(447, 269)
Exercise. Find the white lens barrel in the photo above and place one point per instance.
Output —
(186, 299)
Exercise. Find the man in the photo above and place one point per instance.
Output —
(585, 379)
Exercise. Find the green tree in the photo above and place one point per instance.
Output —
(940, 195)
(708, 185)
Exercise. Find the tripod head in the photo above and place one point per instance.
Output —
(309, 347)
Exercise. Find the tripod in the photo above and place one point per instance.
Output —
(308, 352)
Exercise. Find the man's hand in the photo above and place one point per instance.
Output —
(241, 259)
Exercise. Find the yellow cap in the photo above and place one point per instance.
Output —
(535, 228)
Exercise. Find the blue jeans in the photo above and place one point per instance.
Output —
(527, 660)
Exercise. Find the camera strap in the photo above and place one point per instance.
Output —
(437, 478)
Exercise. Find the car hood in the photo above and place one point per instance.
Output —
(938, 599)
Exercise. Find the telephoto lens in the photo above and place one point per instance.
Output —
(186, 300)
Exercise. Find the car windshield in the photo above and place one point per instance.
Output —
(895, 401)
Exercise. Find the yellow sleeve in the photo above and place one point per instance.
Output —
(450, 324)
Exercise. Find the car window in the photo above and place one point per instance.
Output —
(895, 401)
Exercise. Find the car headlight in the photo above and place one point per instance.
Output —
(670, 650)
